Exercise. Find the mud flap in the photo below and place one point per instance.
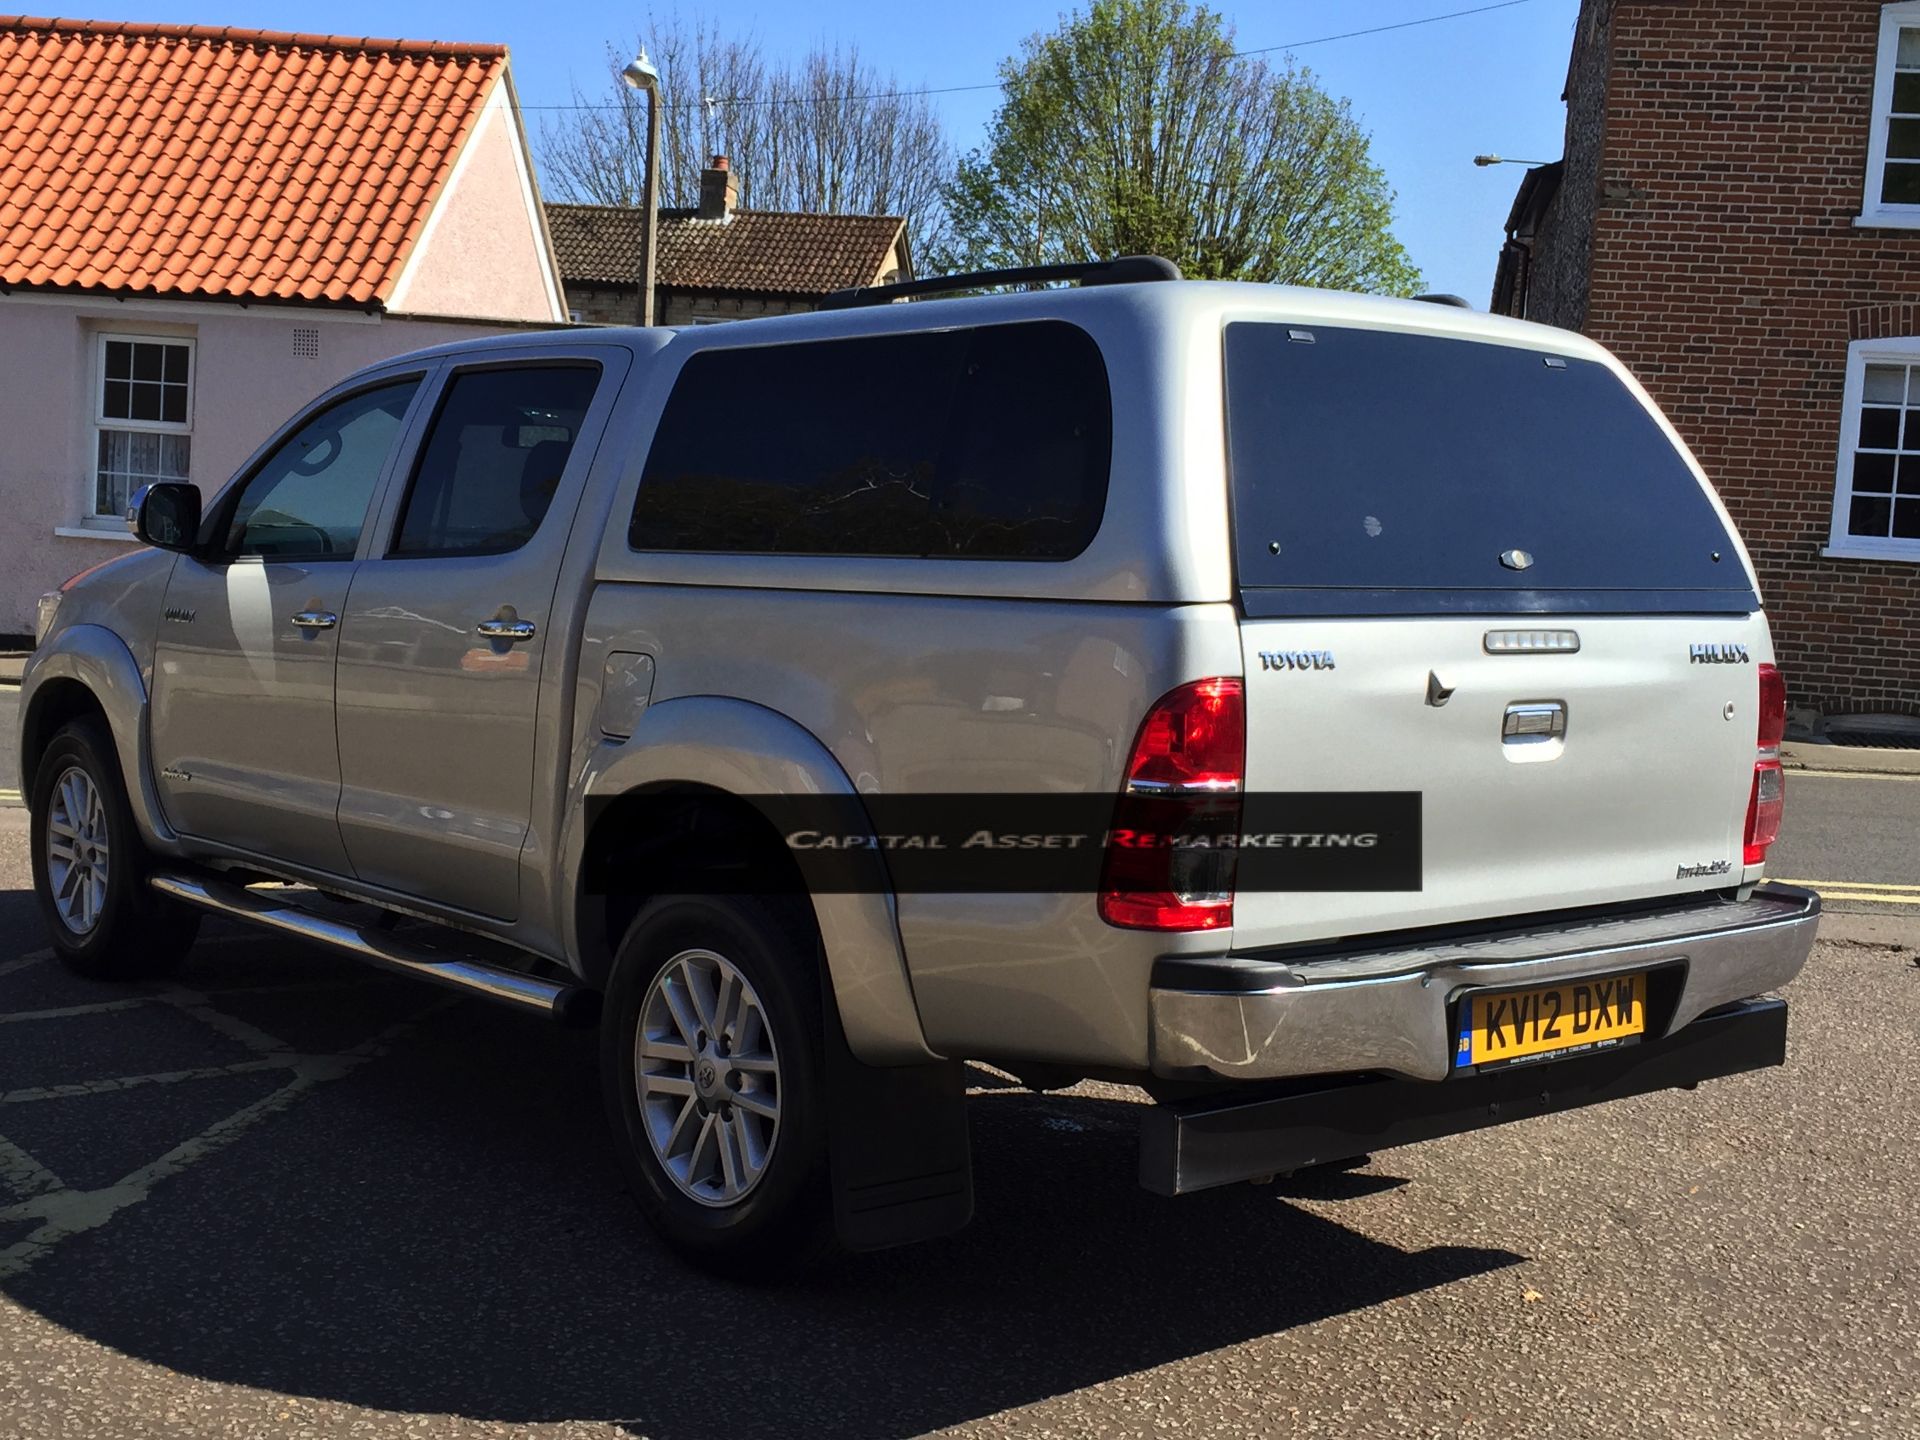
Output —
(897, 1145)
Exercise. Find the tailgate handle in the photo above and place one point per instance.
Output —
(1534, 721)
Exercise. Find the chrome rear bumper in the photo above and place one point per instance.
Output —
(1389, 1010)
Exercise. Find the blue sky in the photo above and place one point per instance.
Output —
(1433, 96)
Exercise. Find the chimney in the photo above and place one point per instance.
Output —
(717, 192)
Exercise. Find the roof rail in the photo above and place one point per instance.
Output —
(1438, 299)
(1127, 270)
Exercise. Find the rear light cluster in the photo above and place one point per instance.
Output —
(1186, 773)
(1769, 797)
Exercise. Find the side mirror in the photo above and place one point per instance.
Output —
(166, 514)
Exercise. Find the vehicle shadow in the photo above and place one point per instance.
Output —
(441, 1230)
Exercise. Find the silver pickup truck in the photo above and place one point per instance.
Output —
(1351, 721)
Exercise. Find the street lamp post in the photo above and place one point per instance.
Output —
(641, 75)
(1483, 161)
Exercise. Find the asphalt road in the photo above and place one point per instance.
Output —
(285, 1196)
(1850, 831)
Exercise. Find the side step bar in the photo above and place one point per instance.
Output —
(569, 1004)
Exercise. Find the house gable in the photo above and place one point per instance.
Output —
(482, 250)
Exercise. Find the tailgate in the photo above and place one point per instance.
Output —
(1648, 777)
(1475, 566)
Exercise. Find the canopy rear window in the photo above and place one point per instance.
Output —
(1379, 472)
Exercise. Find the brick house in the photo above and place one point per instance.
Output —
(1737, 215)
(202, 228)
(717, 262)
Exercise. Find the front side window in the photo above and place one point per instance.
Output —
(1877, 501)
(493, 459)
(308, 500)
(143, 416)
(990, 443)
(1893, 162)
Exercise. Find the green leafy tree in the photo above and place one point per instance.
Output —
(1134, 129)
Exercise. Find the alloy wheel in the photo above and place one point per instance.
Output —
(708, 1077)
(77, 850)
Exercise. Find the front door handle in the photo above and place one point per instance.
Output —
(316, 620)
(508, 630)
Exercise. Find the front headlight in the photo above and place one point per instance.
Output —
(49, 606)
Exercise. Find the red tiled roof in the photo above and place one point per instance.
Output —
(237, 164)
(760, 252)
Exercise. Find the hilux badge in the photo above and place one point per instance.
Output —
(1719, 655)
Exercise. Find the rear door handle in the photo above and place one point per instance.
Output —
(1534, 722)
(316, 620)
(508, 630)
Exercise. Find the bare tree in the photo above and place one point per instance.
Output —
(826, 133)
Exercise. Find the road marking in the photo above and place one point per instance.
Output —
(67, 1012)
(8, 967)
(23, 1173)
(1853, 885)
(65, 1212)
(1901, 776)
(9, 797)
(255, 1039)
(1870, 898)
(78, 1088)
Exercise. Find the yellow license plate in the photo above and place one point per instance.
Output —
(1574, 1019)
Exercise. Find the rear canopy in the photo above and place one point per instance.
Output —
(1378, 472)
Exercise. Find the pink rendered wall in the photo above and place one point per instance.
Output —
(248, 379)
(482, 254)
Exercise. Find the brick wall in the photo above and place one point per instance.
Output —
(1556, 290)
(614, 305)
(1728, 274)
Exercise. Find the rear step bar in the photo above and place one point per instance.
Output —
(569, 1004)
(1245, 1133)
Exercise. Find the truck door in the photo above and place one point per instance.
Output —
(446, 632)
(242, 730)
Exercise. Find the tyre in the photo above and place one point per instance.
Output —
(712, 1063)
(90, 867)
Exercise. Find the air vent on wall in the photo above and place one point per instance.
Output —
(306, 343)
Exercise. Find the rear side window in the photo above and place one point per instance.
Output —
(1417, 473)
(992, 443)
(493, 459)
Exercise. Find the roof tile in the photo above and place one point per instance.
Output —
(769, 252)
(200, 160)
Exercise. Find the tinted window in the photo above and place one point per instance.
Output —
(309, 499)
(990, 443)
(493, 459)
(1385, 461)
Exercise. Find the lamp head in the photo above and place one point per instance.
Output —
(640, 72)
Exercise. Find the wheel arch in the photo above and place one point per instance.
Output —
(90, 671)
(709, 756)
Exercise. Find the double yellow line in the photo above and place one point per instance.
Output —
(9, 797)
(1867, 890)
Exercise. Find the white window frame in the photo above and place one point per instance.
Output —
(1840, 544)
(100, 421)
(1873, 211)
